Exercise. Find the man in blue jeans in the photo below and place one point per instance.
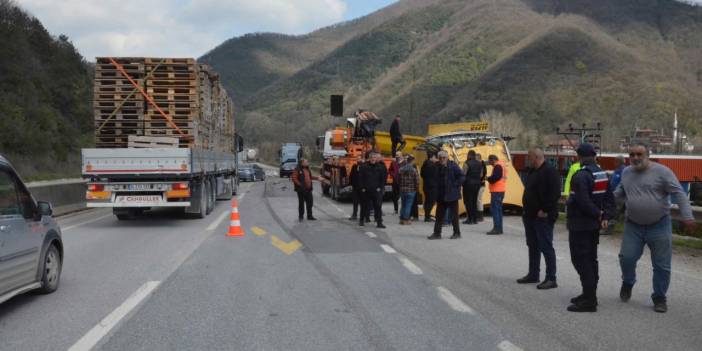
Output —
(646, 188)
(541, 193)
(408, 179)
(498, 185)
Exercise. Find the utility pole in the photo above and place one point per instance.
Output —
(582, 135)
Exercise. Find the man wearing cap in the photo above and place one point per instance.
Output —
(589, 207)
(647, 188)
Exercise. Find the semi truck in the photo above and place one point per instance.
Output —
(165, 137)
(290, 155)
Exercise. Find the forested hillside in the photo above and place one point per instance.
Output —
(544, 63)
(45, 94)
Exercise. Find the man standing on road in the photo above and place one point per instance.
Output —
(302, 178)
(498, 184)
(646, 189)
(374, 175)
(449, 181)
(473, 171)
(395, 166)
(589, 208)
(409, 184)
(355, 180)
(429, 173)
(541, 194)
(396, 136)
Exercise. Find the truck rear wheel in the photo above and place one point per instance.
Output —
(202, 213)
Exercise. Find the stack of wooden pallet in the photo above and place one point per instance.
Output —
(176, 98)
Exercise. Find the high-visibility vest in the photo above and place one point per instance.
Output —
(500, 185)
(574, 168)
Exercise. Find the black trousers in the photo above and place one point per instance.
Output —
(395, 194)
(304, 199)
(394, 146)
(356, 196)
(429, 201)
(415, 208)
(583, 254)
(441, 207)
(372, 199)
(470, 200)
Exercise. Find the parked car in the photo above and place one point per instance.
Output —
(287, 168)
(31, 250)
(251, 172)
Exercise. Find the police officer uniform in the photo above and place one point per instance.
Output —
(590, 202)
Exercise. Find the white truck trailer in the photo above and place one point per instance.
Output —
(164, 136)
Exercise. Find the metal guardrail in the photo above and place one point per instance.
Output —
(66, 195)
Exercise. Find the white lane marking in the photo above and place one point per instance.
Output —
(63, 230)
(89, 340)
(241, 196)
(218, 221)
(388, 249)
(410, 265)
(508, 346)
(453, 301)
(371, 235)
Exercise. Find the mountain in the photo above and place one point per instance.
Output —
(624, 63)
(45, 97)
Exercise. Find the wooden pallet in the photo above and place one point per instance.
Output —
(169, 132)
(170, 90)
(120, 82)
(118, 89)
(169, 61)
(123, 111)
(119, 117)
(173, 76)
(176, 112)
(118, 132)
(172, 83)
(136, 68)
(152, 142)
(153, 116)
(163, 124)
(117, 97)
(112, 104)
(112, 124)
(167, 98)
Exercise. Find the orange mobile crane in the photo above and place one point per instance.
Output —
(341, 148)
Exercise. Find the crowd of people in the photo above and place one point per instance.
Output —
(643, 191)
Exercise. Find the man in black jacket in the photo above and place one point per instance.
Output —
(473, 171)
(589, 207)
(396, 135)
(430, 175)
(541, 193)
(355, 181)
(374, 176)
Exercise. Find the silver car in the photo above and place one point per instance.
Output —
(31, 250)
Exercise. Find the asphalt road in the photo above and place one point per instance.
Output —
(165, 283)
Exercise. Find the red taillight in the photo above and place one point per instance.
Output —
(180, 186)
(96, 187)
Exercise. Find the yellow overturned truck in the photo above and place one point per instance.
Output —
(457, 139)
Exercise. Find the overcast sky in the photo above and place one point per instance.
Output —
(183, 28)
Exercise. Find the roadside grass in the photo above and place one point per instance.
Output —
(691, 244)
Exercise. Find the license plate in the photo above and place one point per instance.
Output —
(133, 199)
(139, 187)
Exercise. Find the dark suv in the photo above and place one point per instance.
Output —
(31, 250)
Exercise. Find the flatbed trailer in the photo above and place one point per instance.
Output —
(132, 180)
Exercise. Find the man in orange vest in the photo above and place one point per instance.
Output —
(498, 183)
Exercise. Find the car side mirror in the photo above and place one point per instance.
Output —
(44, 209)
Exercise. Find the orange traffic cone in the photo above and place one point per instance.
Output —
(235, 222)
